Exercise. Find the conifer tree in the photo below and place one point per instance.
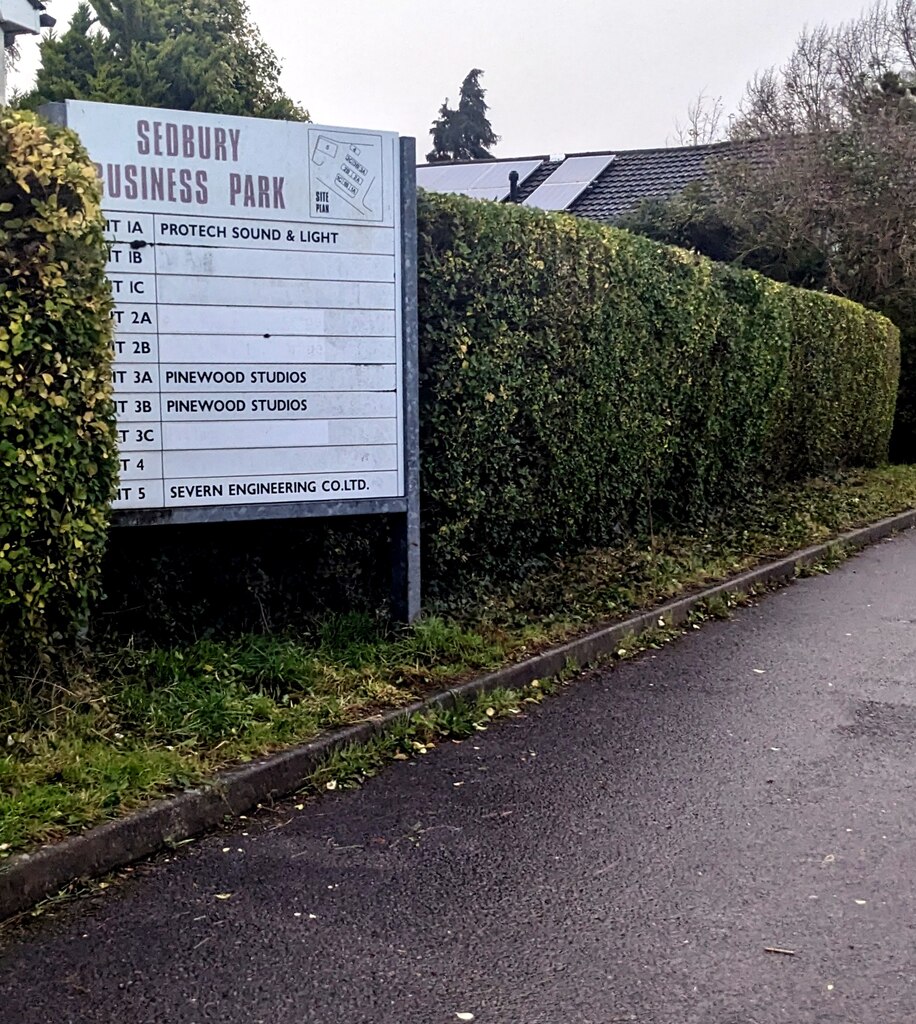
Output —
(202, 55)
(464, 133)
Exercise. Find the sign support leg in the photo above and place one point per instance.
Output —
(406, 575)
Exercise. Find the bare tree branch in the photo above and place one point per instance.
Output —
(705, 122)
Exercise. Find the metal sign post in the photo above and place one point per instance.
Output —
(265, 284)
(406, 584)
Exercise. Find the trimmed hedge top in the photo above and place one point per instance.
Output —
(580, 383)
(58, 464)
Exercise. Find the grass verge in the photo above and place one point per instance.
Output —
(137, 723)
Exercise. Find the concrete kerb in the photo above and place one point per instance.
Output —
(26, 879)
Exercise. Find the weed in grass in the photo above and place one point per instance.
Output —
(717, 607)
(835, 556)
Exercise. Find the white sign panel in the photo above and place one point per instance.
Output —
(256, 269)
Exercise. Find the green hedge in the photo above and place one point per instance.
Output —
(58, 462)
(580, 383)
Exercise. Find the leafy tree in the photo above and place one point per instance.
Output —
(821, 193)
(184, 54)
(465, 133)
(689, 219)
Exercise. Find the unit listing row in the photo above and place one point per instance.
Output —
(249, 378)
(196, 231)
(246, 320)
(273, 462)
(141, 408)
(211, 262)
(187, 493)
(259, 292)
(181, 351)
(196, 435)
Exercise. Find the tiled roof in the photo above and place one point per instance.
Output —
(634, 175)
(538, 178)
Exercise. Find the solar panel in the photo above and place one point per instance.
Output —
(447, 177)
(578, 169)
(498, 174)
(568, 182)
(428, 176)
(556, 197)
(481, 180)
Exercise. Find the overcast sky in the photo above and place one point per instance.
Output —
(562, 76)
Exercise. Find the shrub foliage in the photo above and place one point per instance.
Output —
(58, 462)
(579, 383)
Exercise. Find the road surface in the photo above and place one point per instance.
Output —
(626, 852)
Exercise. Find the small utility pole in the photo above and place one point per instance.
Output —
(19, 18)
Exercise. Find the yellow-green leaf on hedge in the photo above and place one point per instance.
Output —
(55, 358)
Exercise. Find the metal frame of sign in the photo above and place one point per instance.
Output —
(405, 511)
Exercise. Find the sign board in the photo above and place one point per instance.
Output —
(265, 364)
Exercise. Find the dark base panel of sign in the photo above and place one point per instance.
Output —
(405, 533)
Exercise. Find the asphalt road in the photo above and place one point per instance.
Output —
(626, 852)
